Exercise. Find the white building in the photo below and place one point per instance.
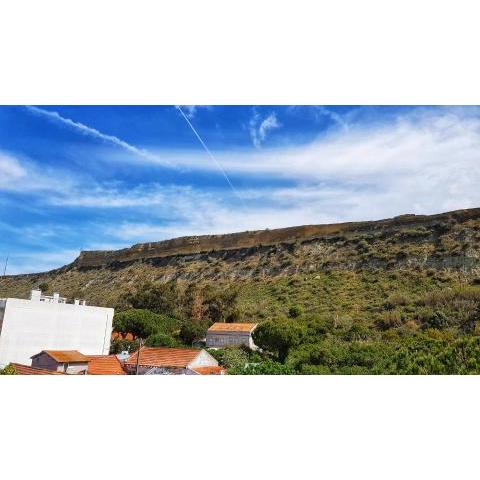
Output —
(49, 323)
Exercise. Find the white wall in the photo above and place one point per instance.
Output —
(203, 359)
(223, 339)
(32, 326)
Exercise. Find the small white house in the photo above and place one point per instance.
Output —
(66, 361)
(231, 334)
(50, 323)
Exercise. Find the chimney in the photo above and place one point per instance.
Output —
(76, 301)
(84, 303)
(56, 296)
(35, 295)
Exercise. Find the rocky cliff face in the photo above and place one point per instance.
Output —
(449, 241)
(257, 239)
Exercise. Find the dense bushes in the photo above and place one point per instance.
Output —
(143, 323)
(278, 337)
(8, 370)
(396, 328)
(166, 315)
(267, 367)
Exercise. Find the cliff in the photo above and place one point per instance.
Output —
(448, 242)
(234, 241)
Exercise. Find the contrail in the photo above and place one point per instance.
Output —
(93, 132)
(211, 155)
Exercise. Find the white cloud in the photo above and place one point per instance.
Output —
(191, 110)
(39, 261)
(425, 162)
(259, 128)
(10, 170)
(92, 132)
(324, 111)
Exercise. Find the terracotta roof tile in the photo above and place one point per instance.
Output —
(104, 365)
(232, 327)
(25, 370)
(210, 370)
(163, 357)
(123, 336)
(65, 356)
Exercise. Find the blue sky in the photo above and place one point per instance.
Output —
(102, 177)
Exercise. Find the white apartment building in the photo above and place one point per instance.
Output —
(50, 323)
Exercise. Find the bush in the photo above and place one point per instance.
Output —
(230, 357)
(192, 331)
(391, 319)
(424, 355)
(264, 368)
(161, 340)
(295, 311)
(156, 297)
(8, 370)
(278, 337)
(143, 323)
(336, 356)
(395, 300)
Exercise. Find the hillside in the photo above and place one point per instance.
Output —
(335, 267)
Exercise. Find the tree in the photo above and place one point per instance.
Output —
(278, 337)
(193, 306)
(161, 340)
(143, 323)
(8, 370)
(119, 346)
(263, 368)
(191, 331)
(231, 357)
(156, 297)
(221, 305)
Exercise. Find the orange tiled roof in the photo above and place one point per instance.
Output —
(104, 365)
(210, 370)
(163, 357)
(232, 327)
(122, 336)
(65, 356)
(25, 370)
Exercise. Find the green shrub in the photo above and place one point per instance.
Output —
(143, 323)
(161, 340)
(230, 357)
(264, 368)
(279, 336)
(295, 311)
(8, 370)
(191, 331)
(395, 300)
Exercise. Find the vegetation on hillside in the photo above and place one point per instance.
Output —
(334, 323)
(391, 297)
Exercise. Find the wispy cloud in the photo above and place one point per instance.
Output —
(192, 110)
(10, 169)
(94, 133)
(39, 261)
(421, 162)
(260, 127)
(338, 119)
